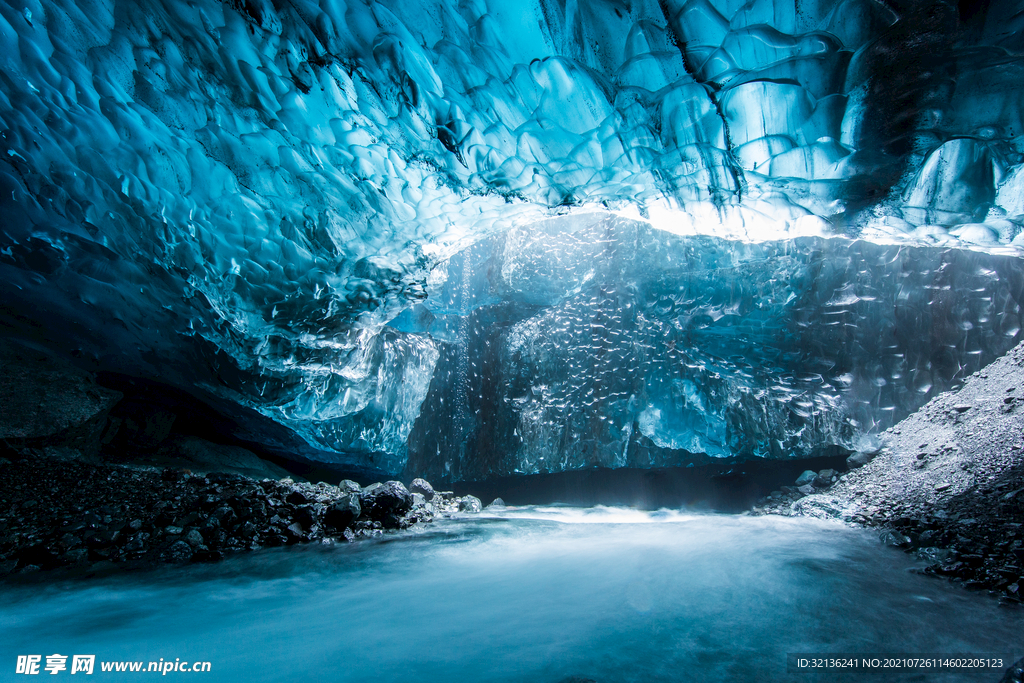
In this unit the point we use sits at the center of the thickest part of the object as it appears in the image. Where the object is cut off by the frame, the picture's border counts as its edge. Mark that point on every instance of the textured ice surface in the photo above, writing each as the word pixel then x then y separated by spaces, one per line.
pixel 240 195
pixel 601 341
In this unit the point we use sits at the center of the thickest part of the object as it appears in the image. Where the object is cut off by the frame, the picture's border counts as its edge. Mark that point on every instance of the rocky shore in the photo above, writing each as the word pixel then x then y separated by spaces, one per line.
pixel 92 476
pixel 946 484
pixel 61 513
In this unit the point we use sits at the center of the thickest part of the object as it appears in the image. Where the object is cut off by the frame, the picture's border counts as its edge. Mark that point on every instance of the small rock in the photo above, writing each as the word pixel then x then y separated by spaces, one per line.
pixel 824 478
pixel 194 538
pixel 860 458
pixel 895 538
pixel 77 557
pixel 497 503
pixel 179 551
pixel 349 486
pixel 942 487
pixel 137 543
pixel 933 555
pixel 962 407
pixel 806 478
pixel 1009 572
pixel 70 541
pixel 102 539
pixel 806 489
pixel 470 504
pixel 224 516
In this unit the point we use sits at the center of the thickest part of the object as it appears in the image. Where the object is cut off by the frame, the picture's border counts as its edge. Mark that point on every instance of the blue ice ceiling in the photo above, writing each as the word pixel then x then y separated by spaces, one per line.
pixel 604 233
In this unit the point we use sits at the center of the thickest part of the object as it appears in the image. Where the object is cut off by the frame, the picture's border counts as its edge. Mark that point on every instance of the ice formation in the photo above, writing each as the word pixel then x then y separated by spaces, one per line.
pixel 594 340
pixel 241 196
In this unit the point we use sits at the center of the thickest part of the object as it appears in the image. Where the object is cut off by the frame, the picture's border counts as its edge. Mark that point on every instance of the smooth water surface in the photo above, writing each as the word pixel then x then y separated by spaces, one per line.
pixel 526 595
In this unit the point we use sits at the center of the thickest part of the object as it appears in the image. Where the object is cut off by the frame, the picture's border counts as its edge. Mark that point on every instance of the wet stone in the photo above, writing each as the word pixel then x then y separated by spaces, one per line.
pixel 807 477
pixel 179 551
pixel 381 501
pixel 193 538
pixel 343 512
pixel 422 487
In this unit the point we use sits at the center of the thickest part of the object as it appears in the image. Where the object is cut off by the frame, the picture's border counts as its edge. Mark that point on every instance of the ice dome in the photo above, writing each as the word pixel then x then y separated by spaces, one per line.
pixel 468 239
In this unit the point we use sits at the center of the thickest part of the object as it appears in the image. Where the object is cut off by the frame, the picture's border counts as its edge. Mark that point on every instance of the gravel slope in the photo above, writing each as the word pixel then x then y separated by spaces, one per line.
pixel 948 483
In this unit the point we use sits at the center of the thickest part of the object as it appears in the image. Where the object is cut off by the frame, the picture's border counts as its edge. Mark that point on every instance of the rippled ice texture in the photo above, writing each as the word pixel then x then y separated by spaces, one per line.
pixel 237 196
pixel 531 595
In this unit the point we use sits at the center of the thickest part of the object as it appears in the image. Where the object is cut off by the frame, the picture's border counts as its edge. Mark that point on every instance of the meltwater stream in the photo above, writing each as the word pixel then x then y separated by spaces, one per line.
pixel 528 595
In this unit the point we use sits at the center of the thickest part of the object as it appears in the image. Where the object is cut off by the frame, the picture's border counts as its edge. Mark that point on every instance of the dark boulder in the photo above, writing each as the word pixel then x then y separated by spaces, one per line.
pixel 343 512
pixel 194 538
pixel 382 501
pixel 296 498
pixel 824 479
pixel 306 515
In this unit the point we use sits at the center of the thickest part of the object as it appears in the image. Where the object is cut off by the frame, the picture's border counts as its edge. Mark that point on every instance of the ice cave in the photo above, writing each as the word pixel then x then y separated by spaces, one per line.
pixel 550 341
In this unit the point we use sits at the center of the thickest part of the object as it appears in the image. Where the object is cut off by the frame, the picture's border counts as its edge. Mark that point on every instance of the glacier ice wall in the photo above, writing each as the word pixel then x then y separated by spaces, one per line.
pixel 595 340
pixel 239 196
